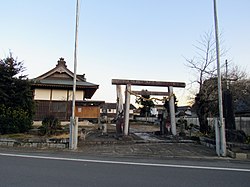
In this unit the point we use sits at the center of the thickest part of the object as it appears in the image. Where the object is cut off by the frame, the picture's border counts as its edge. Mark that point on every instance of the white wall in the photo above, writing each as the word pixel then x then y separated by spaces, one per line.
pixel 42 94
pixel 79 95
pixel 57 95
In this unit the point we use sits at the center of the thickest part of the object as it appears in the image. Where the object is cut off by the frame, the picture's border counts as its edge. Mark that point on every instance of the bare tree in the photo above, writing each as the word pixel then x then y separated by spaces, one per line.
pixel 204 66
pixel 203 63
pixel 205 101
pixel 234 73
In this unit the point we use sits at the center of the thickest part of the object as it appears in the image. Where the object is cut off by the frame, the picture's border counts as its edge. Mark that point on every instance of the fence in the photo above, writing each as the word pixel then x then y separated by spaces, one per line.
pixel 241 123
pixel 194 121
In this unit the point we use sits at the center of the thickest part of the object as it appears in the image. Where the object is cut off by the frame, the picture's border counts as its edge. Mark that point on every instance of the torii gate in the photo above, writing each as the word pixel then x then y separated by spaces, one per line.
pixel 128 83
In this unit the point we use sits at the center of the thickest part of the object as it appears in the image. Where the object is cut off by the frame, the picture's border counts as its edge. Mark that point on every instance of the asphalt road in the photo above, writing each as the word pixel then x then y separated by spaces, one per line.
pixel 71 170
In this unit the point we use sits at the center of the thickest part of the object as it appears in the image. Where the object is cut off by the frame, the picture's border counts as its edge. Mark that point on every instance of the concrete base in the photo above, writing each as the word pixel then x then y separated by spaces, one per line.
pixel 240 156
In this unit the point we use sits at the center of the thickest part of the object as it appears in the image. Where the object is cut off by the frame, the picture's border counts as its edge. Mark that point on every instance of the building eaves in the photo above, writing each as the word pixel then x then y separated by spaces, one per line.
pixel 63 82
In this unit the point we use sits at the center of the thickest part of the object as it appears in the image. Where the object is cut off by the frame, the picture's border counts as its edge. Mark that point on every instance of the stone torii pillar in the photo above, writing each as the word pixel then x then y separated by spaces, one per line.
pixel 119 110
pixel 127 107
pixel 172 110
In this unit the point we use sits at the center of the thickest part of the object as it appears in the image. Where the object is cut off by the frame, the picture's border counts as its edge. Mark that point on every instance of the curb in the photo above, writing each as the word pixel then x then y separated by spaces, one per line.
pixel 230 153
pixel 237 155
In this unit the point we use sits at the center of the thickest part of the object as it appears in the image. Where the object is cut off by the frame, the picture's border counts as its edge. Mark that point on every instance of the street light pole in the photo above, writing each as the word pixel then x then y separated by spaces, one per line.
pixel 221 121
pixel 73 122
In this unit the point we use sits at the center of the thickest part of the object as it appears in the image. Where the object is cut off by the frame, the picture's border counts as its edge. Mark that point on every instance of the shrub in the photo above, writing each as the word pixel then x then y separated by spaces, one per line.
pixel 236 136
pixel 14 120
pixel 50 125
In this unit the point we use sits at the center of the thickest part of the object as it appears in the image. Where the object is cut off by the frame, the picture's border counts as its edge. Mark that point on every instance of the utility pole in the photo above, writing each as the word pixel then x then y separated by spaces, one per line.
pixel 221 124
pixel 73 119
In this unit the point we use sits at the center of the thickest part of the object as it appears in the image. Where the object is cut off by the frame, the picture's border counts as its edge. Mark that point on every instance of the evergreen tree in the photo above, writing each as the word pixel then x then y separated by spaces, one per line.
pixel 16 97
pixel 146 104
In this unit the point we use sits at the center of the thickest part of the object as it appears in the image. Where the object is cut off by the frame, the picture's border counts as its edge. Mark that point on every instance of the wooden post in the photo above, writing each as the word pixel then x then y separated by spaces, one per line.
pixel 172 110
pixel 126 112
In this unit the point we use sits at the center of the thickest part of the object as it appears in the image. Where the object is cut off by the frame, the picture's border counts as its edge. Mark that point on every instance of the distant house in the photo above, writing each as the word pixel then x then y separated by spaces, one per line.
pixel 53 94
pixel 183 111
pixel 180 110
pixel 109 110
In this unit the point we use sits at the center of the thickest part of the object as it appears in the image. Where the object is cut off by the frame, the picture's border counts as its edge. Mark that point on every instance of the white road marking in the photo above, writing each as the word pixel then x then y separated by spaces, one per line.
pixel 125 163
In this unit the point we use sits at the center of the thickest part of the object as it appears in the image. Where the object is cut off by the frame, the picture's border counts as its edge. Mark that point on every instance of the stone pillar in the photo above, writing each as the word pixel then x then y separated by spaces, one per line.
pixel 119 106
pixel 172 110
pixel 119 110
pixel 126 112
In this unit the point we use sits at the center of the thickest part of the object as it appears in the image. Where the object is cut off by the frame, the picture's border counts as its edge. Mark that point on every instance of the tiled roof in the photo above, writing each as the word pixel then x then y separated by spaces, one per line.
pixel 62 77
pixel 63 82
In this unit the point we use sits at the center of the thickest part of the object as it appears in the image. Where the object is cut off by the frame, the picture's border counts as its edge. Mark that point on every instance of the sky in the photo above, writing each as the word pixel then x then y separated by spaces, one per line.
pixel 122 39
